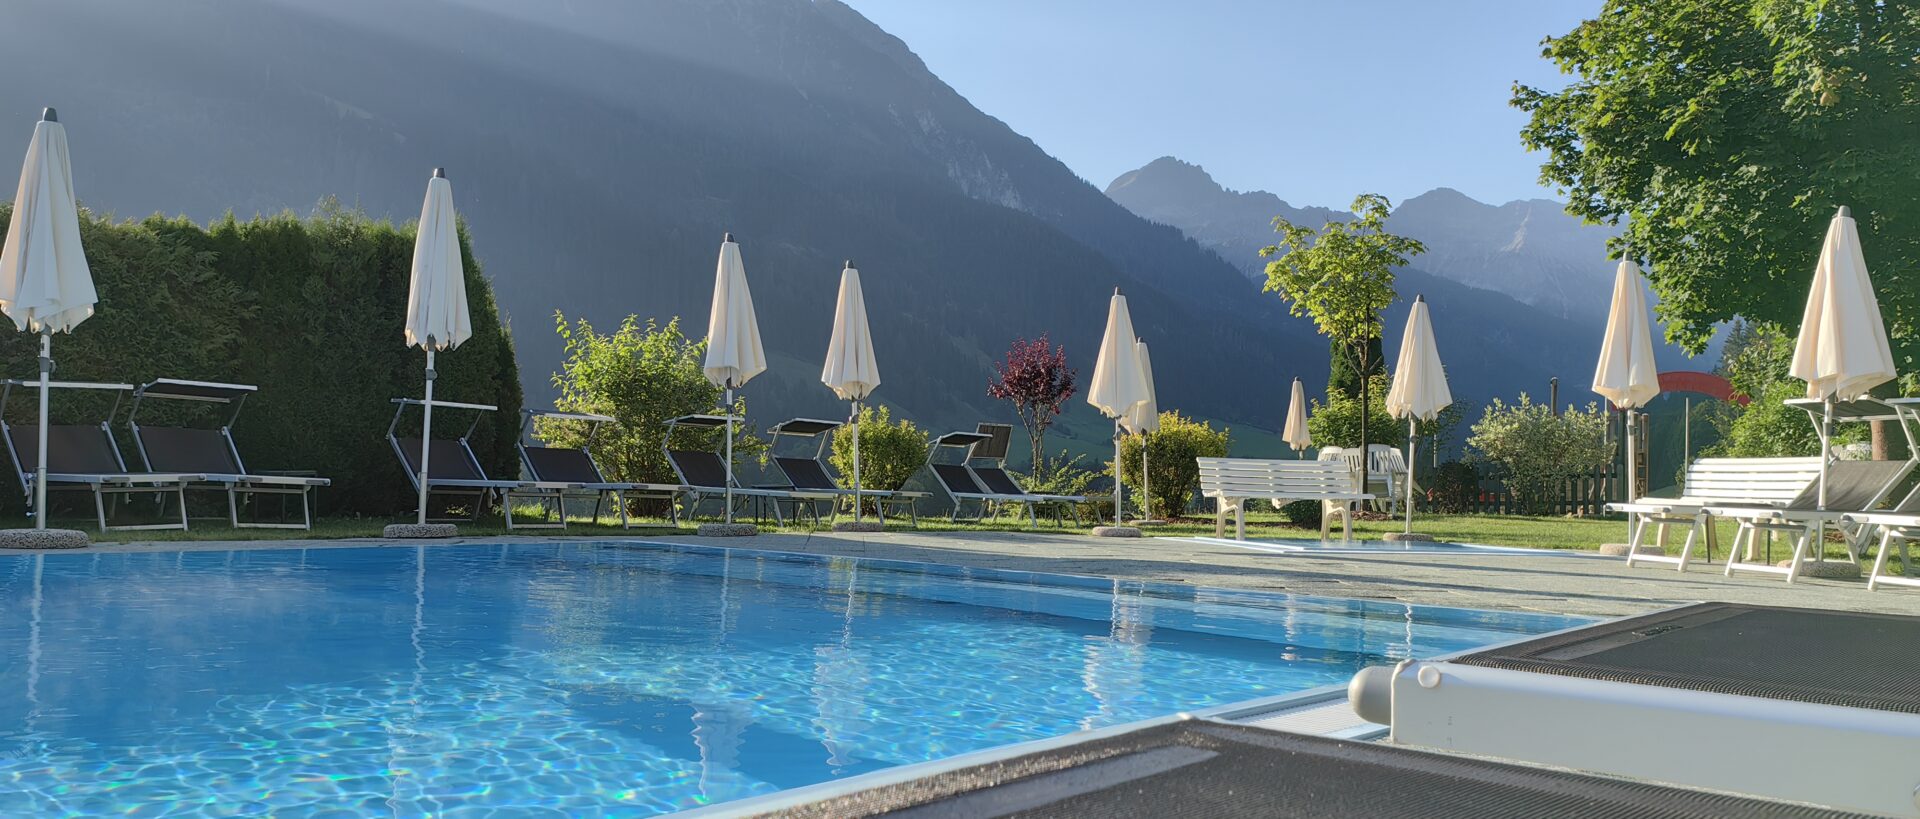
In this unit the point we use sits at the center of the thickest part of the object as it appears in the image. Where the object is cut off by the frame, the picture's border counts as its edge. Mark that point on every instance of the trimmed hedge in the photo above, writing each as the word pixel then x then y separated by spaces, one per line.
pixel 308 309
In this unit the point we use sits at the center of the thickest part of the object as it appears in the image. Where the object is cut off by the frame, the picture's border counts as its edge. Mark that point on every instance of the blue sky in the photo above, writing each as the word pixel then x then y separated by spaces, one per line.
pixel 1315 101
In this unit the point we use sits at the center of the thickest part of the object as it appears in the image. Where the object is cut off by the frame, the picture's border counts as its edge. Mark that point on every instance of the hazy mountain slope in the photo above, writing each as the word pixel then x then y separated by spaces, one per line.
pixel 1493 342
pixel 599 148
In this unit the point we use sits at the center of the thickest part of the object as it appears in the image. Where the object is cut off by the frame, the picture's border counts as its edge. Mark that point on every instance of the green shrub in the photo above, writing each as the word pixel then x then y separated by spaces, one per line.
pixel 1535 451
pixel 1306 513
pixel 1456 486
pixel 308 309
pixel 1337 421
pixel 1064 475
pixel 642 376
pixel 1173 450
pixel 890 451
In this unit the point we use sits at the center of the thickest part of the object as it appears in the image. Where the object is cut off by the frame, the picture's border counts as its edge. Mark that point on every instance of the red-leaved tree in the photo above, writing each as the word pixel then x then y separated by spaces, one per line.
pixel 1036 378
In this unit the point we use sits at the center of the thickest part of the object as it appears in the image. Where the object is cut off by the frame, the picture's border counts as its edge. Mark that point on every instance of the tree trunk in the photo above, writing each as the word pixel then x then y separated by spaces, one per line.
pixel 1039 452
pixel 1366 409
pixel 1880 440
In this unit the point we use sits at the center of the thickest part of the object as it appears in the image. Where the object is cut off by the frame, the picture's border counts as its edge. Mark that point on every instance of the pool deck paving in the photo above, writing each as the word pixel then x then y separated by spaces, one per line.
pixel 1555 582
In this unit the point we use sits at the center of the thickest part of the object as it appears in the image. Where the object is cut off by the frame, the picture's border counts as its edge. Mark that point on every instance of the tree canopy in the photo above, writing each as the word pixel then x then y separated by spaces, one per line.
pixel 1725 133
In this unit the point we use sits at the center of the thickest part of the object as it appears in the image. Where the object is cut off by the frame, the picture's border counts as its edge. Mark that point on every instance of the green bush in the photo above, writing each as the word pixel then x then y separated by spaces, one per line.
pixel 1535 451
pixel 1337 421
pixel 308 309
pixel 642 377
pixel 1306 513
pixel 1065 475
pixel 890 451
pixel 1173 450
pixel 1456 486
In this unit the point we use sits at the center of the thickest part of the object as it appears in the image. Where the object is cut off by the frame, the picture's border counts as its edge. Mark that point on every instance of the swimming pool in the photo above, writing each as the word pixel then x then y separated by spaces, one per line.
pixel 610 678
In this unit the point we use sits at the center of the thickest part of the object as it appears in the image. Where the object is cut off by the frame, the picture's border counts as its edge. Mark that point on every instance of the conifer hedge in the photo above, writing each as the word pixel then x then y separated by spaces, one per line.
pixel 309 309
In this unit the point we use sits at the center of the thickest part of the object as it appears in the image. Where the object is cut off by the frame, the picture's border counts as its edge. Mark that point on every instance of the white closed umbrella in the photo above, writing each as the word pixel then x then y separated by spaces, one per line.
pixel 1295 432
pixel 45 285
pixel 1419 390
pixel 1144 418
pixel 436 300
pixel 1842 351
pixel 851 371
pixel 1627 375
pixel 1118 383
pixel 734 355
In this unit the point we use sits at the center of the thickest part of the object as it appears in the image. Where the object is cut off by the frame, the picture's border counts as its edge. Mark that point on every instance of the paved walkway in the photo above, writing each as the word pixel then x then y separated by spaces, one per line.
pixel 1557 582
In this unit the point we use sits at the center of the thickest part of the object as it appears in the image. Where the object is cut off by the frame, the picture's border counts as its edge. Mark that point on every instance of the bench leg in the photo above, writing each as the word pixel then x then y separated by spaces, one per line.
pixel 1239 521
pixel 1686 549
pixel 1635 533
pixel 1220 517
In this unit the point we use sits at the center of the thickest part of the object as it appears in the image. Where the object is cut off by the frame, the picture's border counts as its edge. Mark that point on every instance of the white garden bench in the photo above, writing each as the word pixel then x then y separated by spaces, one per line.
pixel 1762 483
pixel 1231 482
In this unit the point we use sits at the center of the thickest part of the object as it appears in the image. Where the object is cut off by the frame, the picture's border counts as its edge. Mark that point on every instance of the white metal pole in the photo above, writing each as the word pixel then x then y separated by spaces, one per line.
pixel 729 412
pixel 856 462
pixel 1826 447
pixel 1410 463
pixel 1119 481
pixel 1633 472
pixel 426 435
pixel 40 470
pixel 1146 497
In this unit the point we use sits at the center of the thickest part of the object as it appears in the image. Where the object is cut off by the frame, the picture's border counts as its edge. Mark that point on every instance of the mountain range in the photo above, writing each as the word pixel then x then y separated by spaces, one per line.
pixel 600 148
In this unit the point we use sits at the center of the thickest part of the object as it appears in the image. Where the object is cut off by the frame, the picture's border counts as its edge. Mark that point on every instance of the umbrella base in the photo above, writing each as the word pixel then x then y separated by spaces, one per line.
pixel 1825 568
pixel 728 530
pixel 1407 537
pixel 859 526
pixel 1621 549
pixel 1116 531
pixel 43 539
pixel 413 531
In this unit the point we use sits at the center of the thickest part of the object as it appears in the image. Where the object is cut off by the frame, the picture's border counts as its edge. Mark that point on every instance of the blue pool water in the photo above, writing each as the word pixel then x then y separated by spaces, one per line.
pixel 605 679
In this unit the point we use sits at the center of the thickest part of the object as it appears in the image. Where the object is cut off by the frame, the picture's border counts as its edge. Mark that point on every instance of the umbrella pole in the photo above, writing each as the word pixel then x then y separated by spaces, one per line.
pixel 1826 449
pixel 1119 481
pixel 1146 499
pixel 426 437
pixel 1410 463
pixel 729 412
pixel 40 469
pixel 855 420
pixel 1633 473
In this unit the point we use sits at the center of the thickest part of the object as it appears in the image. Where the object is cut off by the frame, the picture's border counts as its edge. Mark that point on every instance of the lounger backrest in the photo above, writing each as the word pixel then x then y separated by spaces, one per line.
pixel 447 460
pixel 699 468
pixel 1242 478
pixel 957 479
pixel 1751 481
pixel 1853 486
pixel 805 473
pixel 998 481
pixel 78 449
pixel 560 465
pixel 999 440
pixel 183 449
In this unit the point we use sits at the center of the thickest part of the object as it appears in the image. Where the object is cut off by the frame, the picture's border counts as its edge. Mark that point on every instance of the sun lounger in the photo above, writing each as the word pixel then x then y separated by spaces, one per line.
pixel 1852 487
pixel 576 470
pixel 988 461
pixel 958 482
pixel 1230 482
pixel 85 457
pixel 212 453
pixel 455 471
pixel 705 473
pixel 1765 483
pixel 809 474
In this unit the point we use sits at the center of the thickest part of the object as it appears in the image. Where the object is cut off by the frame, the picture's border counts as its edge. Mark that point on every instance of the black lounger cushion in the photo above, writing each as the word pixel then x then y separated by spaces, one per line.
pixel 178 449
pixel 449 460
pixel 562 465
pixel 76 449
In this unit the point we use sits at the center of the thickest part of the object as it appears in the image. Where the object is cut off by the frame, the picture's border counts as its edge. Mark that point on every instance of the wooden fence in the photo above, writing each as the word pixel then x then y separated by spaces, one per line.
pixel 1584 496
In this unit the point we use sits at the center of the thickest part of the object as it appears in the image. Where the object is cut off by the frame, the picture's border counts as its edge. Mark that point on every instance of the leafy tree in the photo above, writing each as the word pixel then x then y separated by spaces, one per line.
pixel 642 376
pixel 1342 376
pixel 1724 133
pixel 1170 455
pixel 1063 475
pixel 1535 451
pixel 890 451
pixel 1338 421
pixel 1342 276
pixel 1036 378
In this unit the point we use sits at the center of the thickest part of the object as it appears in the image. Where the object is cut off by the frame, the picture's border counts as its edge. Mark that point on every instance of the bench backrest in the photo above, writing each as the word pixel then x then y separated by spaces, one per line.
pixel 1761 481
pixel 1296 480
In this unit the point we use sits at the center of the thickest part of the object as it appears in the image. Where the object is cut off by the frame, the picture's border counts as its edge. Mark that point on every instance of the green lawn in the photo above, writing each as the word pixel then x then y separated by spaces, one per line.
pixel 1492 530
